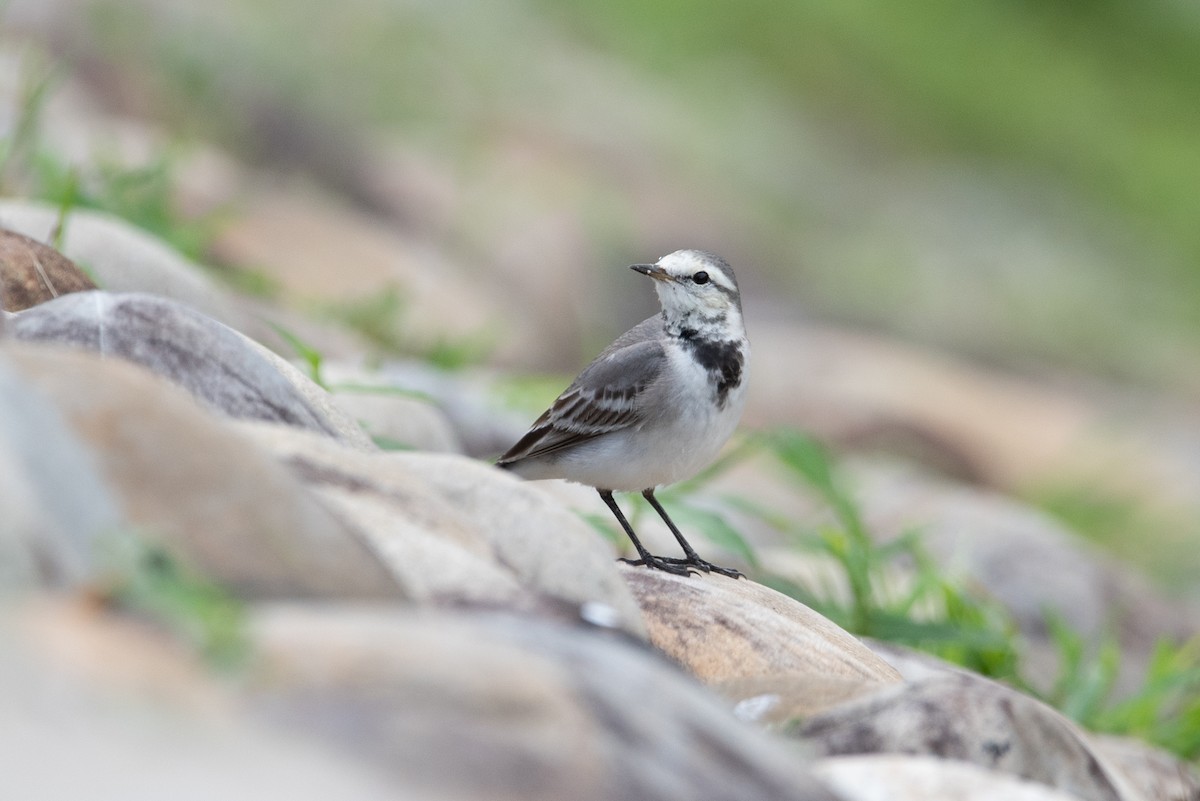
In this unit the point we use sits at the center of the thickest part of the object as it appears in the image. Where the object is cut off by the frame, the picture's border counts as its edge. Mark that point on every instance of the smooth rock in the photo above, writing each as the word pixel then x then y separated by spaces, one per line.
pixel 404 422
pixel 1156 773
pixel 187 481
pixel 972 719
pixel 500 707
pixel 54 506
pixel 873 394
pixel 32 273
pixel 1159 774
pixel 468 399
pixel 721 629
pixel 1018 555
pixel 431 548
pixel 1025 559
pixel 892 777
pixel 122 257
pixel 294 235
pixel 547 547
pixel 784 697
pixel 454 530
pixel 332 414
pixel 142 720
pixel 1020 434
pixel 216 364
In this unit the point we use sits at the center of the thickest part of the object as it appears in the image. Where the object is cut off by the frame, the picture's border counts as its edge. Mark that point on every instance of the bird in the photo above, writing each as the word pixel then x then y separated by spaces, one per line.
pixel 656 406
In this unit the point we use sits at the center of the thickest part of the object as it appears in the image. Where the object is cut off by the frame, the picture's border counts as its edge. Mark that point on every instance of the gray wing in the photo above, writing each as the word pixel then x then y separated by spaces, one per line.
pixel 604 398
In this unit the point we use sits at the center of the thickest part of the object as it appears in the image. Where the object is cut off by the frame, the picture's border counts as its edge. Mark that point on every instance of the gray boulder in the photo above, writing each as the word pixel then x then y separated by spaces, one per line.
pixel 141 720
pixel 506 708
pixel 402 421
pixel 454 530
pixel 54 506
pixel 215 363
pixel 183 479
pixel 965 717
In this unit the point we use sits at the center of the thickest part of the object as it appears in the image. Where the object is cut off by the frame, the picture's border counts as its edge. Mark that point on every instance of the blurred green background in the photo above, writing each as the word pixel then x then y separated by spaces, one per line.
pixel 1017 181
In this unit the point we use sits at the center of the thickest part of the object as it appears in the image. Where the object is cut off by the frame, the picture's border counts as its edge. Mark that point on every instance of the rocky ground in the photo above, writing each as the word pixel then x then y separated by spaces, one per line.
pixel 417 623
pixel 217 583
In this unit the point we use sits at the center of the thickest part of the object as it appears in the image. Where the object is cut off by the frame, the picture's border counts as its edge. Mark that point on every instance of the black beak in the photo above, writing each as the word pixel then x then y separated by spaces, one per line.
pixel 652 270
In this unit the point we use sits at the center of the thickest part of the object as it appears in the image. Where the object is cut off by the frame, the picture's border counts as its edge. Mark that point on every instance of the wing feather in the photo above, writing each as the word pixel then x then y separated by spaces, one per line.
pixel 604 398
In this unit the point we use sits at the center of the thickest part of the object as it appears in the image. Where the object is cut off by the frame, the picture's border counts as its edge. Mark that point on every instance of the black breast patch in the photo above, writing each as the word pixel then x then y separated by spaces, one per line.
pixel 723 360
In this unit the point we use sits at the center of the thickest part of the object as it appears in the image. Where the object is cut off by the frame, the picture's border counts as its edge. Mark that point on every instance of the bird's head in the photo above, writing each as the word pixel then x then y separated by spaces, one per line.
pixel 697 290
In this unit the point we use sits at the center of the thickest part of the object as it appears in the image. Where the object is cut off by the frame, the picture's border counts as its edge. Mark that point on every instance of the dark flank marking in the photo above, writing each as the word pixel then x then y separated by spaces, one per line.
pixel 723 361
pixel 996 749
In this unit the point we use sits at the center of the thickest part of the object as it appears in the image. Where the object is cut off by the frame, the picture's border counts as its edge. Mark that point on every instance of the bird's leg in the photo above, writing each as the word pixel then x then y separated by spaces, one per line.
pixel 647 559
pixel 692 558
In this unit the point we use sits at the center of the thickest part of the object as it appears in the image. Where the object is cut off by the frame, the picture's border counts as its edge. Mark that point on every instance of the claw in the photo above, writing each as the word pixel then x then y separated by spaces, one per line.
pixel 728 572
pixel 708 567
pixel 672 565
pixel 658 563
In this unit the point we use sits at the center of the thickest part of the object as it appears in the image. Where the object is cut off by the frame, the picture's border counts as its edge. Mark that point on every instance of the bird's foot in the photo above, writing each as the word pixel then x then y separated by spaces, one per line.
pixel 696 563
pixel 685 567
pixel 674 566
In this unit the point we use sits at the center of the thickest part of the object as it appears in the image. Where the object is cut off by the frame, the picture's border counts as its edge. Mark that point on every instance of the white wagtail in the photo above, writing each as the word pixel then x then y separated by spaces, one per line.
pixel 657 405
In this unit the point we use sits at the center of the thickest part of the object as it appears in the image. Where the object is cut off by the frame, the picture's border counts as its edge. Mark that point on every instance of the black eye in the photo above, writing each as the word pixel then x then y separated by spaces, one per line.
pixel 700 277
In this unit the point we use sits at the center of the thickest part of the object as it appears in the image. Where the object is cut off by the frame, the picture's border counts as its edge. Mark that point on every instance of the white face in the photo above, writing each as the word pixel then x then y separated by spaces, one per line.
pixel 697 281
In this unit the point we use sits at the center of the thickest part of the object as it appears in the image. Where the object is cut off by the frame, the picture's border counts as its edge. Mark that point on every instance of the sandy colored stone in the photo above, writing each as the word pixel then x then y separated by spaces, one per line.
pixel 184 479
pixel 32 272
pixel 721 629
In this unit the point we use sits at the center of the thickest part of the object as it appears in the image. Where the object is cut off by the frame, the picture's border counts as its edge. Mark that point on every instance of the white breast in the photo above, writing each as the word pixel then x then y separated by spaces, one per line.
pixel 683 433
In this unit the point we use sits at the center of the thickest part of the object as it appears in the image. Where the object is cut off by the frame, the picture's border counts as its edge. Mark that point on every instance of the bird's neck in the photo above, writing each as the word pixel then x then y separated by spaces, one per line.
pixel 718 345
pixel 721 325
